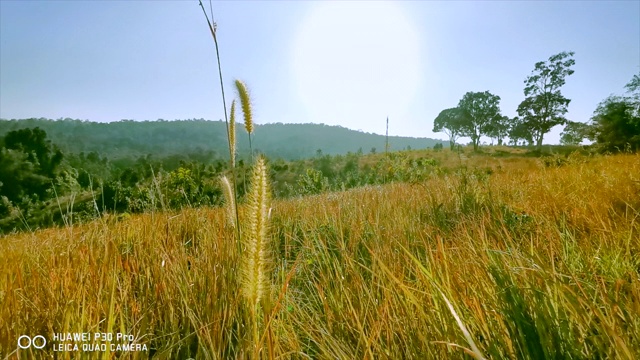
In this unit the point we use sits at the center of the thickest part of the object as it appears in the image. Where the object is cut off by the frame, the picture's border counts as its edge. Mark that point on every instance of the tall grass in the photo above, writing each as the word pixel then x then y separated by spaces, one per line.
pixel 531 262
pixel 257 253
pixel 254 247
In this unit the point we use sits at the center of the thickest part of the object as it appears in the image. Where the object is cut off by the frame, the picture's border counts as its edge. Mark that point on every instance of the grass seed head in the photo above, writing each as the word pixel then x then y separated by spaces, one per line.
pixel 257 254
pixel 245 102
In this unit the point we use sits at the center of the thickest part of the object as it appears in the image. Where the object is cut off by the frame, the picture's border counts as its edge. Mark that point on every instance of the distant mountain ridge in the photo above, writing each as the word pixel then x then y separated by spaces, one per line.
pixel 128 138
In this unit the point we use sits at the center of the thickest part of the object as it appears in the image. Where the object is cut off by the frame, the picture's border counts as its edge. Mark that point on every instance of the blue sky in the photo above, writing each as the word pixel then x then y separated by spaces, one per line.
pixel 349 64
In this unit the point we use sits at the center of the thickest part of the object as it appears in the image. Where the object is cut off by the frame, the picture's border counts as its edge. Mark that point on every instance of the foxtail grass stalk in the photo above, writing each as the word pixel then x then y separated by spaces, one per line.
pixel 232 134
pixel 233 195
pixel 230 203
pixel 212 28
pixel 257 257
pixel 245 102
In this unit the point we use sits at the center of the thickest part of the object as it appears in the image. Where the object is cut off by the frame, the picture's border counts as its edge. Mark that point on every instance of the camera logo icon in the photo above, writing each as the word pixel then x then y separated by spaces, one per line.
pixel 26 342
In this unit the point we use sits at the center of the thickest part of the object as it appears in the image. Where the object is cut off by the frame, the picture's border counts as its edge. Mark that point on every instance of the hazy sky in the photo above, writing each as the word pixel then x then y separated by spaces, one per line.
pixel 349 64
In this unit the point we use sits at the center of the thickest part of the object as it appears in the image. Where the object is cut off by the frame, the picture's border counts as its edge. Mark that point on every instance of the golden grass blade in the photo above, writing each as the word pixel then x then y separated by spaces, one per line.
pixel 465 332
pixel 229 200
pixel 476 352
pixel 232 134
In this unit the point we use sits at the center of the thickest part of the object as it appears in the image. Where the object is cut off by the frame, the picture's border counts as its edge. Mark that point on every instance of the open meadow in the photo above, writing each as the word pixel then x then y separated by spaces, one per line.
pixel 501 258
pixel 402 180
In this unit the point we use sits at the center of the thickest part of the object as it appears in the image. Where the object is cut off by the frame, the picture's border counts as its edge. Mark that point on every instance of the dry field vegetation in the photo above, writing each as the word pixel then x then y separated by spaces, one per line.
pixel 522 261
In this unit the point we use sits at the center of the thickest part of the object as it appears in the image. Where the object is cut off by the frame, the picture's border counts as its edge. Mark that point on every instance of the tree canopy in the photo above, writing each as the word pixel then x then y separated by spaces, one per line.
pixel 544 105
pixel 574 133
pixel 451 122
pixel 616 124
pixel 480 110
pixel 28 163
pixel 498 128
pixel 519 131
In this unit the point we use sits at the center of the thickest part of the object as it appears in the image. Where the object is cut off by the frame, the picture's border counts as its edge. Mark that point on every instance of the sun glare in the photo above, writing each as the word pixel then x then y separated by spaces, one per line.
pixel 354 63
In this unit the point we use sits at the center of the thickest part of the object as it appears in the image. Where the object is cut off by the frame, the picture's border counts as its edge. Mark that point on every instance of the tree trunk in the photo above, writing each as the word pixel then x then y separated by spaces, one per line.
pixel 539 142
pixel 452 144
pixel 499 142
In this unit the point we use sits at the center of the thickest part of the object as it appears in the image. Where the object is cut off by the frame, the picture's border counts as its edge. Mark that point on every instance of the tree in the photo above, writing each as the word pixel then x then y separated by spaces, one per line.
pixel 519 131
pixel 544 105
pixel 450 122
pixel 39 150
pixel 18 176
pixel 28 163
pixel 633 87
pixel 479 109
pixel 574 133
pixel 498 128
pixel 616 124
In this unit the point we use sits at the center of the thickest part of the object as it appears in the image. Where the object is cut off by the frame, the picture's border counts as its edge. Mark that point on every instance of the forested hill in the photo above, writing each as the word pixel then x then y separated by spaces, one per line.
pixel 162 138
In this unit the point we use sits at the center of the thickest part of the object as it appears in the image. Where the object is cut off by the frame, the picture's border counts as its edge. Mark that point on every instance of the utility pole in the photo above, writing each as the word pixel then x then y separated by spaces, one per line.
pixel 386 145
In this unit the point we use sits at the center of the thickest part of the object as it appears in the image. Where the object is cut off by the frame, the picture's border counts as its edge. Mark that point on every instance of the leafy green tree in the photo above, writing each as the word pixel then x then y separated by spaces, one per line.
pixel 575 132
pixel 19 176
pixel 498 128
pixel 28 164
pixel 84 179
pixel 325 165
pixel 544 105
pixel 451 122
pixel 519 131
pixel 130 177
pixel 633 87
pixel 479 110
pixel 616 124
pixel 39 150
pixel 312 182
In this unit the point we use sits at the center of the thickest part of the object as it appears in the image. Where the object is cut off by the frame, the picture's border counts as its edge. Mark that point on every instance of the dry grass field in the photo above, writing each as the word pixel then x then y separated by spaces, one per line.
pixel 493 258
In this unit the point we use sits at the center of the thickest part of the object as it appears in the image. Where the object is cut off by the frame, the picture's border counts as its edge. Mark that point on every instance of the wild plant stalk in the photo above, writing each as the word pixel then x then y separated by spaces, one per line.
pixel 229 199
pixel 256 261
pixel 245 102
pixel 232 191
pixel 212 28
pixel 232 135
